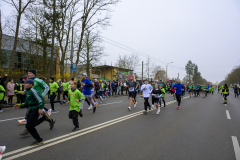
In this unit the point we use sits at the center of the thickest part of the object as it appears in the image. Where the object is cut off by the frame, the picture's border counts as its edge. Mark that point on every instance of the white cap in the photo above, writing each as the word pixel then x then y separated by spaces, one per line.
pixel 84 74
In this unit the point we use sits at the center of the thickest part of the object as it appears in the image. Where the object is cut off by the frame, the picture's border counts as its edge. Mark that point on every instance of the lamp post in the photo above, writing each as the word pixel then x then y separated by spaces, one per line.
pixel 166 69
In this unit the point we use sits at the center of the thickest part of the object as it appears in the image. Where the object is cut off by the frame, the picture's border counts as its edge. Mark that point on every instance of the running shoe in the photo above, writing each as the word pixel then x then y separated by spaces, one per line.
pixel 152 106
pixel 158 112
pixel 49 112
pixel 90 107
pixel 52 124
pixel 75 129
pixel 23 121
pixel 178 107
pixel 53 110
pixel 25 133
pixel 1 110
pixel 37 142
pixel 94 109
pixel 173 98
pixel 96 104
pixel 144 112
pixel 2 149
pixel 60 101
pixel 135 105
pixel 129 108
pixel 80 113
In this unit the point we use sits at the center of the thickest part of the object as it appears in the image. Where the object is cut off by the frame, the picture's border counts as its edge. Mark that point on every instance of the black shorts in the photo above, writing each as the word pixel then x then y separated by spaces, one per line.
pixel 155 100
pixel 131 94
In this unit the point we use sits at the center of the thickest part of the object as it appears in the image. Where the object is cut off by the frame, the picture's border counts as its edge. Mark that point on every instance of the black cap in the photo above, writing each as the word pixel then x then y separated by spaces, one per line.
pixel 25 76
pixel 32 71
pixel 30 81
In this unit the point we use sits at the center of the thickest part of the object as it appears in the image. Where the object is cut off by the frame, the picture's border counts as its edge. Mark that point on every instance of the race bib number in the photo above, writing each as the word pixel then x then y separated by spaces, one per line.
pixel 145 89
pixel 131 89
pixel 92 89
pixel 157 95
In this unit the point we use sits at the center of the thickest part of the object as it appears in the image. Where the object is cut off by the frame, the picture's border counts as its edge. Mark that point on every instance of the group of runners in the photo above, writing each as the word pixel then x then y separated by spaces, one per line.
pixel 35 90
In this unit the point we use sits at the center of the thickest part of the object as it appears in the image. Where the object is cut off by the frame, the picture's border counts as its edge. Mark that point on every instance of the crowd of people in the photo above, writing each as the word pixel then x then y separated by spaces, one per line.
pixel 30 92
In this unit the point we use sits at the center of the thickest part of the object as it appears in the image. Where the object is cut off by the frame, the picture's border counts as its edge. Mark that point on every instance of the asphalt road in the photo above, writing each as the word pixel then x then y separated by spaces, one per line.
pixel 203 129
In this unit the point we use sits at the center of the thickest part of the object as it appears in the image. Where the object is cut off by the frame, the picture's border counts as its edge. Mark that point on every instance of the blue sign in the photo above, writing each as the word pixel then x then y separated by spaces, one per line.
pixel 74 67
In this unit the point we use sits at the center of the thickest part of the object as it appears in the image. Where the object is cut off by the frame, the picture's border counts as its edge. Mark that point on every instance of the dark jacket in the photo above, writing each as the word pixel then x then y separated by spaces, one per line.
pixel 2 81
pixel 78 85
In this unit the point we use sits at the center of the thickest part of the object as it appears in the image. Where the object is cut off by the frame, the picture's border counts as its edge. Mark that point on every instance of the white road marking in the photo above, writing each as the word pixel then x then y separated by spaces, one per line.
pixel 11 119
pixel 109 103
pixel 228 115
pixel 66 137
pixel 236 147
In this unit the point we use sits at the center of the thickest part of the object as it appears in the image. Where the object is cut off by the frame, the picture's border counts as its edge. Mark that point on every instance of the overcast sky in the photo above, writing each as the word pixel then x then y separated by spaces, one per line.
pixel 207 32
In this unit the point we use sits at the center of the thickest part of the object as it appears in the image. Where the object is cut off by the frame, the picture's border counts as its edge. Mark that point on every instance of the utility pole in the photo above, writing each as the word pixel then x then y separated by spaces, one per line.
pixel 178 77
pixel 71 57
pixel 142 72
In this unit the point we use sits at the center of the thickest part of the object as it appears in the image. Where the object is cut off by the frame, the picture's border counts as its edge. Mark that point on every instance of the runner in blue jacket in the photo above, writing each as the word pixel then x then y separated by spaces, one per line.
pixel 178 91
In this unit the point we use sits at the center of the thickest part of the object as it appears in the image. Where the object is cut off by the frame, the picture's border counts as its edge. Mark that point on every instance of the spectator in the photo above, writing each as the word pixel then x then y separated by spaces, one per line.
pixel 119 87
pixel 25 77
pixel 60 89
pixel 10 91
pixel 2 83
pixel 122 88
pixel 113 87
pixel 126 87
pixel 79 85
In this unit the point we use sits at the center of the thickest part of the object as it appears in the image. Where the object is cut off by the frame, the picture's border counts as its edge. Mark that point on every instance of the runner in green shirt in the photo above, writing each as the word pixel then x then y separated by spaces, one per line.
pixel 66 87
pixel 163 95
pixel 204 89
pixel 53 92
pixel 75 99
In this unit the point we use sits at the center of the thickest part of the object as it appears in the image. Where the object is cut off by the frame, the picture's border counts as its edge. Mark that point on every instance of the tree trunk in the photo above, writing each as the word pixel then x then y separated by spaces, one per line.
pixel 53 37
pixel 15 38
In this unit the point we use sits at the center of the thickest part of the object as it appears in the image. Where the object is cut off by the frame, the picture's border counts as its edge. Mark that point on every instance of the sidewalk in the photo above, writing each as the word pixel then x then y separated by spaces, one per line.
pixel 47 101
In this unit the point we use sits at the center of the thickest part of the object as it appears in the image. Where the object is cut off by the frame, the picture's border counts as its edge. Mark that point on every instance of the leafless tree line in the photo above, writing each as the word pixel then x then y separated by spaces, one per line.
pixel 47 24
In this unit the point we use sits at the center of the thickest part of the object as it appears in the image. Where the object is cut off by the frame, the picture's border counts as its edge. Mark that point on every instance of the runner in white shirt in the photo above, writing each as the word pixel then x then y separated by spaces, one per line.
pixel 147 90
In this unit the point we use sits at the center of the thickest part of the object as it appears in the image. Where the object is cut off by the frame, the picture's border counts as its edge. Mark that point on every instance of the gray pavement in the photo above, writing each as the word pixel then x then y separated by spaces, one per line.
pixel 199 130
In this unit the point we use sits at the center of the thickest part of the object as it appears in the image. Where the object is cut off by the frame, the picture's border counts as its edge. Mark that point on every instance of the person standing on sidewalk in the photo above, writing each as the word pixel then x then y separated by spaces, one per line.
pixel 2 83
pixel 53 93
pixel 2 91
pixel 60 89
pixel 18 89
pixel 10 91
pixel 35 103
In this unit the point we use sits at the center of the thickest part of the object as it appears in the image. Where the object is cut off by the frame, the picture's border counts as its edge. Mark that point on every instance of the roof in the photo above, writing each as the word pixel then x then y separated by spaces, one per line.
pixel 107 66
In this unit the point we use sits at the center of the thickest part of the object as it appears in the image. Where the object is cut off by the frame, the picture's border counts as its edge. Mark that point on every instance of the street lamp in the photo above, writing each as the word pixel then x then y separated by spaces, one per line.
pixel 166 69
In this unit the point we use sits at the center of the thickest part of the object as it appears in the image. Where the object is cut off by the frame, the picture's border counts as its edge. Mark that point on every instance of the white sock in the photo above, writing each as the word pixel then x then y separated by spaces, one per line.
pixel 158 109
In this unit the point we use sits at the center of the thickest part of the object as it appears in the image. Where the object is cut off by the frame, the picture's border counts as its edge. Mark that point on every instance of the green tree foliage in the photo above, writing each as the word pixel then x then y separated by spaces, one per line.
pixel 189 70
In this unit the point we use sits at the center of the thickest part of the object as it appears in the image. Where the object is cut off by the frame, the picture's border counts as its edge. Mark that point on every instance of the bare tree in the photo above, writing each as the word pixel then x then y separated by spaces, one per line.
pixel 92 51
pixel 159 73
pixel 64 26
pixel 92 16
pixel 128 61
pixel 20 8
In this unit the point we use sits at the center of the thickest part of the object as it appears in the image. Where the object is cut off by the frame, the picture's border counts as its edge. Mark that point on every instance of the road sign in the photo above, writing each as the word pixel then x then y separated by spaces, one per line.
pixel 74 67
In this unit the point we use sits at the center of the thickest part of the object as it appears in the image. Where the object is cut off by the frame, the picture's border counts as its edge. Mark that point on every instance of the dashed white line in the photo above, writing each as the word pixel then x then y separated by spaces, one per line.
pixel 11 119
pixel 228 115
pixel 236 147
pixel 66 137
